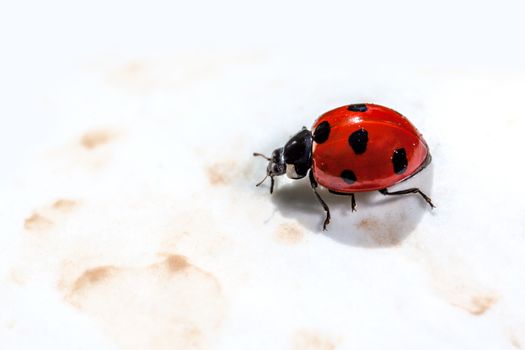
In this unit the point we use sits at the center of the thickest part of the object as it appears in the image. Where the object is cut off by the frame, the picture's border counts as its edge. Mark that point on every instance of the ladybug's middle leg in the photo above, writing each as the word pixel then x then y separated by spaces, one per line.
pixel 407 191
pixel 314 185
pixel 354 205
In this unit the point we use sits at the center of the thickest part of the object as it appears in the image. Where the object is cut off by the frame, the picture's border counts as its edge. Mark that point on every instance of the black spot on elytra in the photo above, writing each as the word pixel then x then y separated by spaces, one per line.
pixel 358 141
pixel 361 107
pixel 348 176
pixel 322 132
pixel 399 160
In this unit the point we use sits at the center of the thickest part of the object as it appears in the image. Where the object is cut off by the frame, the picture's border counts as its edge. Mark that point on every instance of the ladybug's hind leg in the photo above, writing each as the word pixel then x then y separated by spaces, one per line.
pixel 354 205
pixel 407 191
pixel 314 185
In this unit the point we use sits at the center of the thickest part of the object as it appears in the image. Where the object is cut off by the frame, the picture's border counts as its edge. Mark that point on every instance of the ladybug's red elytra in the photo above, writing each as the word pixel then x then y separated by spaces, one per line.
pixel 354 148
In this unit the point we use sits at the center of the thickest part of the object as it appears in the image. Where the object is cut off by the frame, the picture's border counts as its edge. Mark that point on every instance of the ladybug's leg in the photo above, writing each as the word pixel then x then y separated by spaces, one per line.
pixel 272 183
pixel 314 185
pixel 407 191
pixel 354 205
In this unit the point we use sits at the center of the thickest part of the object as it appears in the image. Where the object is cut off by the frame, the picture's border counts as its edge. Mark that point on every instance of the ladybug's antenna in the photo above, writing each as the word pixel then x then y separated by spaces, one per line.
pixel 271 185
pixel 261 182
pixel 255 154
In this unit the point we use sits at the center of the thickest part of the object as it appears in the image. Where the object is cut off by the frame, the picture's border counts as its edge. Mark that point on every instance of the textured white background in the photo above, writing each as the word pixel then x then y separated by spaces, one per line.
pixel 128 215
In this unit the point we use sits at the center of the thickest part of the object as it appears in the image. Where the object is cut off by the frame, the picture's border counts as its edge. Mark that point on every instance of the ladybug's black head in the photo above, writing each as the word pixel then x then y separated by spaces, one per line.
pixel 294 159
pixel 276 166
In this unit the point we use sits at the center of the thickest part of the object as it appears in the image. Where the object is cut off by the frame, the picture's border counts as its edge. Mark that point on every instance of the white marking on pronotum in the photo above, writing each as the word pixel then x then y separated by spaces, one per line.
pixel 291 173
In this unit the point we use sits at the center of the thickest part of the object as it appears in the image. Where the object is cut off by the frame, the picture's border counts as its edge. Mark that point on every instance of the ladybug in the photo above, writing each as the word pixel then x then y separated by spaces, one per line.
pixel 354 148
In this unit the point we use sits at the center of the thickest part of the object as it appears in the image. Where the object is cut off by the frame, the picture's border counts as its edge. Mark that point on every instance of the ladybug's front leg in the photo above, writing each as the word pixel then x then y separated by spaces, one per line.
pixel 407 191
pixel 314 185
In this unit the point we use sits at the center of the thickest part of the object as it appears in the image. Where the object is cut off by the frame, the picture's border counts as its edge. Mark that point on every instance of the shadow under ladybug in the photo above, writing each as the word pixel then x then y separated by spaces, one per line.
pixel 379 222
pixel 351 151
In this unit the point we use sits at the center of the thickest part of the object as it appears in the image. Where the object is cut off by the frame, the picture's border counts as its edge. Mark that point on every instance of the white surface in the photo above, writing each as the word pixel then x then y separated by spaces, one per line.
pixel 126 143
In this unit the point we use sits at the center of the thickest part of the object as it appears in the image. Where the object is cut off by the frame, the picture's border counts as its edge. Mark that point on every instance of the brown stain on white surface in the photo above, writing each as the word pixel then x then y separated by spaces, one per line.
pixel 92 276
pixel 172 304
pixel 96 138
pixel 475 302
pixel 289 233
pixel 145 76
pixel 37 222
pixel 16 277
pixel 380 231
pixel 516 334
pixel 465 292
pixel 221 173
pixel 313 340
pixel 64 205
pixel 515 341
pixel 479 304
pixel 197 233
pixel 454 281
pixel 177 263
pixel 134 76
pixel 46 217
pixel 83 155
